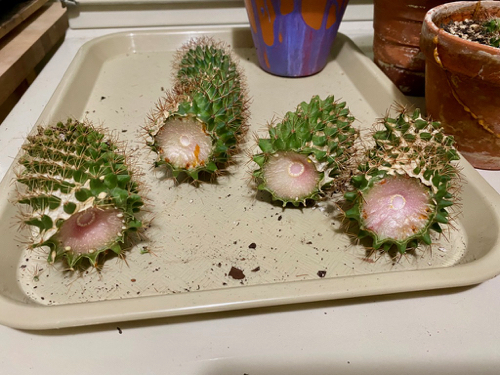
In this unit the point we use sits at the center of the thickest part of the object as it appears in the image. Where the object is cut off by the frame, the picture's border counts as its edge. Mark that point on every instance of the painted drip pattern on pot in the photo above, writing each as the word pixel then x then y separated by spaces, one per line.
pixel 293 37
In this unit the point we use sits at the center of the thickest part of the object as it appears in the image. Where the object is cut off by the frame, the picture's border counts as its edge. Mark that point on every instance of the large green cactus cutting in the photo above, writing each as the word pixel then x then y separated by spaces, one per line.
pixel 199 125
pixel 306 152
pixel 406 183
pixel 78 194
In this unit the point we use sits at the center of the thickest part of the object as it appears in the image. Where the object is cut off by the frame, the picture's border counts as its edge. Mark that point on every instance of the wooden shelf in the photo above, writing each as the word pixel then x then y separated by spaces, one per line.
pixel 18 15
pixel 24 47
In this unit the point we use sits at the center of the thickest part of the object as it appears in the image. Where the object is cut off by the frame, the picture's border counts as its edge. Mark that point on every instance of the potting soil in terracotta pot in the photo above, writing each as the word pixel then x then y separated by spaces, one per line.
pixel 463 81
pixel 396 50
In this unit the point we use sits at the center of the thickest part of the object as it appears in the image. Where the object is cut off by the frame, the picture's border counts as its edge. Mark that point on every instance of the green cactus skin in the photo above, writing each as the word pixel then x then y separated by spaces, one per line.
pixel 78 193
pixel 405 184
pixel 198 126
pixel 307 152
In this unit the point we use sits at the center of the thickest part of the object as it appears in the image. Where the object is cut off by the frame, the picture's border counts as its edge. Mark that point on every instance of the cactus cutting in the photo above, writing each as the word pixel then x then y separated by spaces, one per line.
pixel 406 183
pixel 307 153
pixel 80 197
pixel 198 126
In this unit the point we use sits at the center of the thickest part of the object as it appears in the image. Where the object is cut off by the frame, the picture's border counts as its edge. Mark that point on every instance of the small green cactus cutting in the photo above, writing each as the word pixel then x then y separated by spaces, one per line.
pixel 406 183
pixel 77 194
pixel 200 123
pixel 307 152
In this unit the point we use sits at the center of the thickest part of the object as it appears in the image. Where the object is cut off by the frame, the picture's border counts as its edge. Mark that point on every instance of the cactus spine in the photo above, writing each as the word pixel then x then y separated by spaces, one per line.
pixel 406 183
pixel 198 126
pixel 79 195
pixel 307 152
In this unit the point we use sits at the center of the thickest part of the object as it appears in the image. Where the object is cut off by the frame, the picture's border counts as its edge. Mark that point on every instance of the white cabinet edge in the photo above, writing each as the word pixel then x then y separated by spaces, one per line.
pixel 152 13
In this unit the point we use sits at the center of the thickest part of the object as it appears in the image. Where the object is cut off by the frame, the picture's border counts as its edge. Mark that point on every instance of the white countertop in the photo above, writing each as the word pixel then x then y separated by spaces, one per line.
pixel 455 331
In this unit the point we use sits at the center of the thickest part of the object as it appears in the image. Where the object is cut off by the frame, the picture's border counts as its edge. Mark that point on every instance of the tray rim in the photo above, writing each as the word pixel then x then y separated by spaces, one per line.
pixel 41 317
pixel 36 316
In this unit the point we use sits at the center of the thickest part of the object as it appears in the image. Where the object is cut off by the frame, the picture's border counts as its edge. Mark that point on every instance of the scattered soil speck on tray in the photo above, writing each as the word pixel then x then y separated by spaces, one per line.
pixel 236 273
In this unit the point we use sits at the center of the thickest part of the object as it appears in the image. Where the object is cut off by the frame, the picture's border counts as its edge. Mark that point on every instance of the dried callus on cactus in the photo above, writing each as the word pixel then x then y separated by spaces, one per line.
pixel 200 123
pixel 307 152
pixel 78 194
pixel 406 184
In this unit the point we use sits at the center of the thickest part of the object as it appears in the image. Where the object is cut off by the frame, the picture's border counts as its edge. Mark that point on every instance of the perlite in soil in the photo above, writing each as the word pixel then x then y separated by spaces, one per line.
pixel 199 125
pixel 406 185
pixel 77 194
pixel 307 153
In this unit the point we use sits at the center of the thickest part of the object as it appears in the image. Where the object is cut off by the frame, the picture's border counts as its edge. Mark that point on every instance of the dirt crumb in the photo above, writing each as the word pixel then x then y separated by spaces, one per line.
pixel 236 273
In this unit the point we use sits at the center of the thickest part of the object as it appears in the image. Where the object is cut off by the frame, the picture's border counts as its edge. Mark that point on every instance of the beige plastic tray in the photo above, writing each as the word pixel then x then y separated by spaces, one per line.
pixel 199 234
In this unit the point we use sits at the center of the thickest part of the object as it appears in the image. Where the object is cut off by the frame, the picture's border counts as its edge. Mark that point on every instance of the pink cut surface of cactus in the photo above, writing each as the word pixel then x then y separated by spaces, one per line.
pixel 184 143
pixel 90 230
pixel 291 175
pixel 397 208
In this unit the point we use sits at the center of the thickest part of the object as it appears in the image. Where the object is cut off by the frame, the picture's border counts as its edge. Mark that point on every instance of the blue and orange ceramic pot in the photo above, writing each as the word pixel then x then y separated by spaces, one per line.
pixel 293 38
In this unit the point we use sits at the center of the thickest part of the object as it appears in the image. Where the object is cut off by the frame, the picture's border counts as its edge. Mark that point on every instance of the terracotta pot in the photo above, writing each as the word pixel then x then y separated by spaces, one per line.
pixel 463 82
pixel 397 26
pixel 293 38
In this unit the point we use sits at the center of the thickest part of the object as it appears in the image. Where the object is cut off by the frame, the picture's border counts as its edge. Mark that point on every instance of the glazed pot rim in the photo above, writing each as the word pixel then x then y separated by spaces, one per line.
pixel 448 9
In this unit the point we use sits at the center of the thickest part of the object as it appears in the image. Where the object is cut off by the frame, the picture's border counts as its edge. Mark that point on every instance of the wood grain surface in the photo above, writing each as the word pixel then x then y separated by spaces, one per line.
pixel 25 46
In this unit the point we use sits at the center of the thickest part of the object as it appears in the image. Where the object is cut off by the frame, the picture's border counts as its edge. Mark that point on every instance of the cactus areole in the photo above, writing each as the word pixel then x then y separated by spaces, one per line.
pixel 405 184
pixel 80 196
pixel 198 126
pixel 306 152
